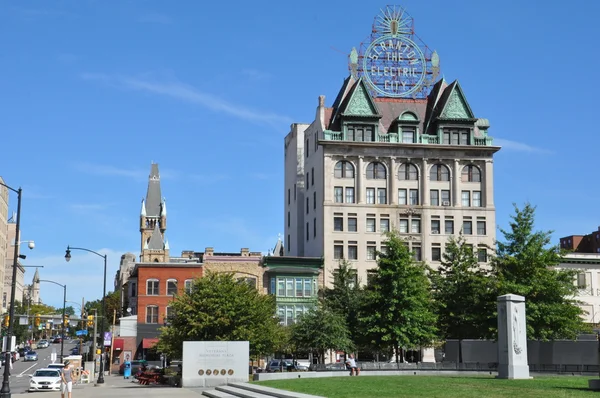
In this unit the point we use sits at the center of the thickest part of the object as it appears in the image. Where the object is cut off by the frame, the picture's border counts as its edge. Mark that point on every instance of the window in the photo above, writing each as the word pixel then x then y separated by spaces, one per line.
pixel 349 194
pixel 439 172
pixel 371 277
pixel 281 287
pixel 295 191
pixel 383 249
pixel 446 197
pixel 343 169
pixel 482 255
pixel 384 225
pixel 481 228
pixel 476 198
pixel 358 132
pixel 338 194
pixel 315 227
pixel 408 136
pixel 353 252
pixel 466 199
pixel 288 219
pixel 471 173
pixel 273 287
pixel 413 197
pixel 338 223
pixel 449 226
pixel 289 288
pixel 371 196
pixel 403 226
pixel 436 254
pixel 408 171
pixel 416 249
pixel 306 181
pixel 402 196
pixel 288 196
pixel 289 246
pixel 152 314
pixel 435 226
pixel 308 287
pixel 352 224
pixel 371 251
pixel 306 148
pixel 312 177
pixel 307 205
pixel 381 196
pixel 171 287
pixel 581 280
pixel 371 225
pixel 299 287
pixel 467 227
pixel 133 290
pixel 456 137
pixel 188 285
pixel 434 197
pixel 152 287
pixel 415 226
pixel 376 171
pixel 338 252
pixel 314 200
pixel 307 235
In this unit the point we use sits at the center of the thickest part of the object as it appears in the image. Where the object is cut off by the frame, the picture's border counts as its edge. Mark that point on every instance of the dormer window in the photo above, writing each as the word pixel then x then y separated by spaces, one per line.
pixel 456 137
pixel 408 128
pixel 408 135
pixel 361 132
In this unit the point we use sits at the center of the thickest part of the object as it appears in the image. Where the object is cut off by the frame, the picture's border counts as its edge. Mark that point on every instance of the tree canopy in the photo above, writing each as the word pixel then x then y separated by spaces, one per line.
pixel 221 308
pixel 524 265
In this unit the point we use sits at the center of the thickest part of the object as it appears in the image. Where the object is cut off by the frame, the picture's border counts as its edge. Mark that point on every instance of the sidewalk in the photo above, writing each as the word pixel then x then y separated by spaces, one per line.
pixel 118 387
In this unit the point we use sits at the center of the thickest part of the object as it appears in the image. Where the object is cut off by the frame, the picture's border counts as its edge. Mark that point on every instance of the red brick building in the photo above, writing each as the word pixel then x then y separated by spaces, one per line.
pixel 589 243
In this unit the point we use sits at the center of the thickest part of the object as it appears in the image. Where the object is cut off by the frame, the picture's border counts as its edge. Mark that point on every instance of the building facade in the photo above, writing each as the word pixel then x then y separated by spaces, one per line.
pixel 589 243
pixel 20 287
pixel 587 281
pixel 380 158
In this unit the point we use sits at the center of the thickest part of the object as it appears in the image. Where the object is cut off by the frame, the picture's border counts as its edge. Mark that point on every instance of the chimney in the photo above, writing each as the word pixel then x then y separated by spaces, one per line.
pixel 245 252
pixel 209 251
pixel 321 112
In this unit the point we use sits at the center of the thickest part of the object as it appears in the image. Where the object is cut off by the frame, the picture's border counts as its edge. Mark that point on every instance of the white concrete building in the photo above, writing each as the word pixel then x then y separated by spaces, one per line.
pixel 587 281
pixel 366 165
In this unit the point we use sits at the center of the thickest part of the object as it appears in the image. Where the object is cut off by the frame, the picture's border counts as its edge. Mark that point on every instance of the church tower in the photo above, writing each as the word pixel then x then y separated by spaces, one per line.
pixel 153 222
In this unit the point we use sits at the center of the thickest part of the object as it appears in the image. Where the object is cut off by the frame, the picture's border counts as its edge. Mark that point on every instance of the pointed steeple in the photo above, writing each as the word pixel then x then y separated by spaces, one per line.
pixel 36 278
pixel 143 211
pixel 164 208
pixel 156 240
pixel 153 196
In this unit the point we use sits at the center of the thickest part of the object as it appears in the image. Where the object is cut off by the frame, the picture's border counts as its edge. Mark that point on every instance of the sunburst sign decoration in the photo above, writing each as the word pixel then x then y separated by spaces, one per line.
pixel 395 63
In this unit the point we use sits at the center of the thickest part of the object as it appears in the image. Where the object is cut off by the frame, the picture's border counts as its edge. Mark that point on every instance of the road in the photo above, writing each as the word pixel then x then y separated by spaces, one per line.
pixel 19 379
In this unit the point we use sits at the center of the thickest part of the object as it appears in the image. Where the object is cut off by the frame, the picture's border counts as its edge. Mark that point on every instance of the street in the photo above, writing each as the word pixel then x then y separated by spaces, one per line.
pixel 19 379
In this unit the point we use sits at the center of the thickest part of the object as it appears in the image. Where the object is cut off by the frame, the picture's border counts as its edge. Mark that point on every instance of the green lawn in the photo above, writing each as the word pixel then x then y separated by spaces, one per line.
pixel 436 386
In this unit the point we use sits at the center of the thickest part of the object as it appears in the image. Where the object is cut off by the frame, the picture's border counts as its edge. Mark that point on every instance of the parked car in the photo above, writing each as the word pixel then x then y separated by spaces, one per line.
pixel 24 350
pixel 45 380
pixel 3 358
pixel 56 366
pixel 75 350
pixel 43 344
pixel 289 365
pixel 30 356
pixel 57 340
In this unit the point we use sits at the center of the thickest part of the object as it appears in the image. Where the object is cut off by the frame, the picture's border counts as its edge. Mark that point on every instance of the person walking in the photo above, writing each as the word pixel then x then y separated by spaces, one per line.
pixel 66 376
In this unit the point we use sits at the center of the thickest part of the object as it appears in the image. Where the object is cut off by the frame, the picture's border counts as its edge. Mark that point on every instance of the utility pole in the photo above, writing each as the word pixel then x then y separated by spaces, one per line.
pixel 112 339
pixel 95 340
pixel 83 322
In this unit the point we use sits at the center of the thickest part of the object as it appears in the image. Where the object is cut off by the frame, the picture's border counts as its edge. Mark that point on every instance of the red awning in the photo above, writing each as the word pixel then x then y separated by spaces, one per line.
pixel 118 344
pixel 149 343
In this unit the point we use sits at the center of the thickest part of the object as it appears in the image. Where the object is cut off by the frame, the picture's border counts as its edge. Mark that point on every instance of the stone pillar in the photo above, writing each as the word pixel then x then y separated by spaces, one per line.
pixel 512 338
pixel 456 196
pixel 360 194
pixel 392 194
pixel 488 174
pixel 424 179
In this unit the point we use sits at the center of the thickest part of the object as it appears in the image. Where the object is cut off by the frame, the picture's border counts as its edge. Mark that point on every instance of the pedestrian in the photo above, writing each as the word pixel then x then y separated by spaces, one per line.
pixel 66 376
pixel 352 366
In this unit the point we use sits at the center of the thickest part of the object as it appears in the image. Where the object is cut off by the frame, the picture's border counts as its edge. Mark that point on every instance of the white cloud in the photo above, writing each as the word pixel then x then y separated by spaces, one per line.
pixel 187 93
pixel 519 146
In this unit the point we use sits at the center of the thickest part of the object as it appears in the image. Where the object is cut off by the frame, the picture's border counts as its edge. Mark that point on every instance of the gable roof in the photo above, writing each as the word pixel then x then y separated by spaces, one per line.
pixel 359 102
pixel 454 104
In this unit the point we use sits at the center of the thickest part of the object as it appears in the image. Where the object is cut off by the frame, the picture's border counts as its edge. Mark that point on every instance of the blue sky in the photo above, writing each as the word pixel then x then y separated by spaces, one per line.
pixel 94 91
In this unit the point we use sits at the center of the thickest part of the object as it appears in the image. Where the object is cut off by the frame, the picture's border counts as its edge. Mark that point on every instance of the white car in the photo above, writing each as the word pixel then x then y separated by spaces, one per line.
pixel 43 344
pixel 45 380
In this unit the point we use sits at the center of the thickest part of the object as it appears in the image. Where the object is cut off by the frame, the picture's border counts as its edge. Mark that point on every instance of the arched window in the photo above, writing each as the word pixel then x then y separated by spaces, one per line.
pixel 152 314
pixel 171 287
pixel 343 169
pixel 439 172
pixel 408 171
pixel 471 173
pixel 189 283
pixel 376 171
pixel 152 287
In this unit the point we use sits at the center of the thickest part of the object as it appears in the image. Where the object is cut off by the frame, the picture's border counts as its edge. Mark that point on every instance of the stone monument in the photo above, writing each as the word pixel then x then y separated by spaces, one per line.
pixel 214 363
pixel 512 338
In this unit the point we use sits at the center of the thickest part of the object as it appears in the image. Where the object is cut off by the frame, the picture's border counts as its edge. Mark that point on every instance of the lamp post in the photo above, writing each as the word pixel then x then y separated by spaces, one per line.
pixel 5 390
pixel 62 328
pixel 68 257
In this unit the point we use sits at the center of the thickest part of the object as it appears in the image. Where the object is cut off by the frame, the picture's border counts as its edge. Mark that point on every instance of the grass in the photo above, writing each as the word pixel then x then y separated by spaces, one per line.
pixel 436 386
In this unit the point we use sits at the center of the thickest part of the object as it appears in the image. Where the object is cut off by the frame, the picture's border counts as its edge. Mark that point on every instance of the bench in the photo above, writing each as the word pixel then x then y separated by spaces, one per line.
pixel 147 378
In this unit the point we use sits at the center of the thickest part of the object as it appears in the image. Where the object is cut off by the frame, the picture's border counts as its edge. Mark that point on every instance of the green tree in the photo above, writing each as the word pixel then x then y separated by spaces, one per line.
pixel 220 308
pixel 345 297
pixel 399 308
pixel 524 265
pixel 319 330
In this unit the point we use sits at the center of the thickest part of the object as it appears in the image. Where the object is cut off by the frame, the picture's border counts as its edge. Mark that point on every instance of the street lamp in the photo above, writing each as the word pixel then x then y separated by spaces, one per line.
pixel 62 328
pixel 68 257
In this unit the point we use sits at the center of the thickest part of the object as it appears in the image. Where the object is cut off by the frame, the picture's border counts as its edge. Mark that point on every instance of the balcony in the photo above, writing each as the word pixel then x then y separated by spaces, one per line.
pixel 392 137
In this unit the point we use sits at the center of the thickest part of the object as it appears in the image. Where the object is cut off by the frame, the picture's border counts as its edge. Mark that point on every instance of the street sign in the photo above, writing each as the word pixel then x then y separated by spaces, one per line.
pixel 107 339
pixel 81 333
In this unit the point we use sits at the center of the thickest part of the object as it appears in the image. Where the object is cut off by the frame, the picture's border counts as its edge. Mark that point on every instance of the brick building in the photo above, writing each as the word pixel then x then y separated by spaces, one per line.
pixel 589 243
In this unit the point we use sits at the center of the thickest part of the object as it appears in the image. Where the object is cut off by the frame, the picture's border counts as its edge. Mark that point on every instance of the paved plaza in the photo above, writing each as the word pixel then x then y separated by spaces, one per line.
pixel 117 387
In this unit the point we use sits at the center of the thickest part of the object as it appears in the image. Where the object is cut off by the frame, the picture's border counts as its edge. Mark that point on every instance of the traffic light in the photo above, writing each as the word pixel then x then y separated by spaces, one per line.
pixel 66 320
pixel 6 320
pixel 37 320
pixel 90 320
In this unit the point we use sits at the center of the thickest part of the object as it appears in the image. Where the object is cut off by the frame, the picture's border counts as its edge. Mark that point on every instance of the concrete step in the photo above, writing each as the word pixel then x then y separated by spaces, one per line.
pixel 217 394
pixel 240 392
pixel 271 392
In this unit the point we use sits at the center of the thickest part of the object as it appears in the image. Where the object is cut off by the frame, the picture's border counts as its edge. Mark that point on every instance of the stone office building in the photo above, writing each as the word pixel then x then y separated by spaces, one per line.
pixel 398 149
